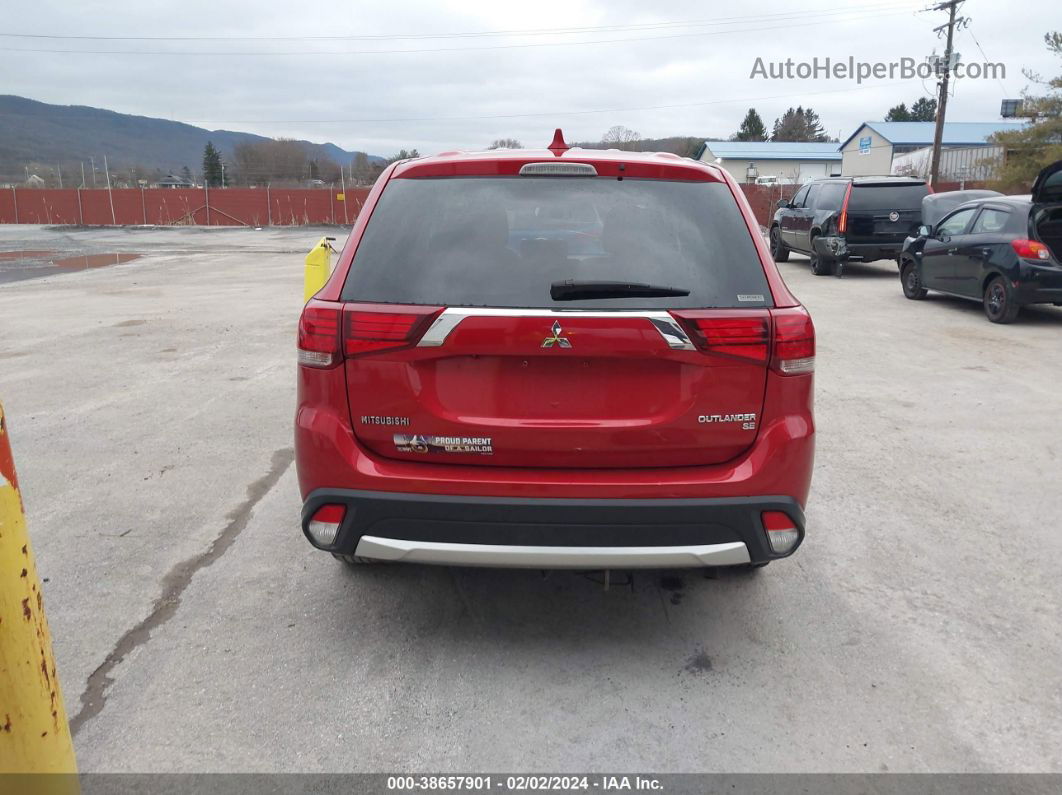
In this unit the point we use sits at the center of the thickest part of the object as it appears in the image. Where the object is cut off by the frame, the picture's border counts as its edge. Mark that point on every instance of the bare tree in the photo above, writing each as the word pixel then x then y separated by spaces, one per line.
pixel 620 137
pixel 263 162
pixel 360 168
pixel 505 143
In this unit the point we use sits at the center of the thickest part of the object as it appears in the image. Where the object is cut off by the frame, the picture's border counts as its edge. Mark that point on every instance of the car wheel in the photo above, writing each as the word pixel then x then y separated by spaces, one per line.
pixel 820 265
pixel 779 251
pixel 912 282
pixel 999 303
pixel 354 560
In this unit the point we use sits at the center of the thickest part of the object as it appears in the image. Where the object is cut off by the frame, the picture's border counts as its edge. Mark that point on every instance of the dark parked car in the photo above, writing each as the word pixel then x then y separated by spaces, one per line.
pixel 1005 251
pixel 843 219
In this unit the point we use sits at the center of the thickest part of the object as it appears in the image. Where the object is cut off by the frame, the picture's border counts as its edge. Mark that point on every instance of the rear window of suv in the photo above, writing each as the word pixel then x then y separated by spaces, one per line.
pixel 887 197
pixel 502 241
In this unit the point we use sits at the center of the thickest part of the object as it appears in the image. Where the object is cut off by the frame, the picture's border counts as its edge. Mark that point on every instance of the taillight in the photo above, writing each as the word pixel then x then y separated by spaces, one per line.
pixel 324 525
pixel 842 223
pixel 739 336
pixel 330 331
pixel 369 330
pixel 319 334
pixel 1030 249
pixel 794 341
pixel 782 532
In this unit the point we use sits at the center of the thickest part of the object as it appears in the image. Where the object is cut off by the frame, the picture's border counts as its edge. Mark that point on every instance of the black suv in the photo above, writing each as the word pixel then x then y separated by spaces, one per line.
pixel 1004 251
pixel 844 219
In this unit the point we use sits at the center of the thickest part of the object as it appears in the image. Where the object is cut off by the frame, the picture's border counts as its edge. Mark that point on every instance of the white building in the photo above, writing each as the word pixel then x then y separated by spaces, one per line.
pixel 793 162
pixel 871 149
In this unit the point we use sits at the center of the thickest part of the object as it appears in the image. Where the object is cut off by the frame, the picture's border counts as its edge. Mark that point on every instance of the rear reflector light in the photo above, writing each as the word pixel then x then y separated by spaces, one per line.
pixel 319 333
pixel 794 341
pixel 324 525
pixel 738 336
pixel 782 532
pixel 1030 249
pixel 330 331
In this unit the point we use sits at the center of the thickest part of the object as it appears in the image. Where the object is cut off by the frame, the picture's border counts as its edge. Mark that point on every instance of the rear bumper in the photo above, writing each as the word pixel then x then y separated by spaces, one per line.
pixel 552 532
pixel 840 248
pixel 1039 284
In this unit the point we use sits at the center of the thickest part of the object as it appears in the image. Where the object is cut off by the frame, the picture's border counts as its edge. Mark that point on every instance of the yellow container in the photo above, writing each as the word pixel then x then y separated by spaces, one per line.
pixel 318 268
pixel 34 733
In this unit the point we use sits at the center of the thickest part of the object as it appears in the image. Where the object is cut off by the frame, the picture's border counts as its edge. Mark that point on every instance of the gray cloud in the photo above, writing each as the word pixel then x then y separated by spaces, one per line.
pixel 288 95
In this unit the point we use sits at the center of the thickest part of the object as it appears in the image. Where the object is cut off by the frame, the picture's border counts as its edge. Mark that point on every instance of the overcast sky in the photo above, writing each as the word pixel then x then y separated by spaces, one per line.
pixel 693 56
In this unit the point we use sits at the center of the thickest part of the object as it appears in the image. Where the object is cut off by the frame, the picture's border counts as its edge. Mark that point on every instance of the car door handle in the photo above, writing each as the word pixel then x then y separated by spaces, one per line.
pixel 986 253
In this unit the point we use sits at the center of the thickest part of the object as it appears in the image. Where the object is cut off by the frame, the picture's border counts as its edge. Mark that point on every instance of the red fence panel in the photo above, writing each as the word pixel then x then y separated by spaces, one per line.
pixel 175 206
pixel 7 206
pixel 764 199
pixel 194 206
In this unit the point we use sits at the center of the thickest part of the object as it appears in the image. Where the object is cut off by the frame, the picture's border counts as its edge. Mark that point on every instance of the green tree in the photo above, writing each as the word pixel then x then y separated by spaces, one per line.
pixel 813 125
pixel 752 128
pixel 1039 144
pixel 505 143
pixel 211 165
pixel 402 154
pixel 924 109
pixel 898 113
pixel 186 175
pixel 799 125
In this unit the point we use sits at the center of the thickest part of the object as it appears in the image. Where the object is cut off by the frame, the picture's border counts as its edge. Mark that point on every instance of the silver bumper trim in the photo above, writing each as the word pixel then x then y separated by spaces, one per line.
pixel 536 557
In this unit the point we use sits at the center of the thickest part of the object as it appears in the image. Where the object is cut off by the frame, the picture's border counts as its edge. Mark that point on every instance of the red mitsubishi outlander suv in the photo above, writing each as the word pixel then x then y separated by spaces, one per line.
pixel 556 358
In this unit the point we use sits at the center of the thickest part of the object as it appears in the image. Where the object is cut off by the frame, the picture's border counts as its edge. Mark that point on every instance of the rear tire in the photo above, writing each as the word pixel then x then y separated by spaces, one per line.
pixel 779 250
pixel 999 303
pixel 820 265
pixel 912 282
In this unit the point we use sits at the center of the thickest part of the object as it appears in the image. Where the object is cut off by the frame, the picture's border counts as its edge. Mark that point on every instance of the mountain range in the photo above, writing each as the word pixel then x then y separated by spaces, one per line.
pixel 35 134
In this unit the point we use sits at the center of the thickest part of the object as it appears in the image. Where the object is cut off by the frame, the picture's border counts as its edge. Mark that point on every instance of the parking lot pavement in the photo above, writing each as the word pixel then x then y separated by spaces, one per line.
pixel 151 404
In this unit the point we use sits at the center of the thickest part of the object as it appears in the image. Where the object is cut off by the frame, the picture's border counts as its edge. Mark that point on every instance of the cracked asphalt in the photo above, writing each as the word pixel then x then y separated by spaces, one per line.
pixel 150 406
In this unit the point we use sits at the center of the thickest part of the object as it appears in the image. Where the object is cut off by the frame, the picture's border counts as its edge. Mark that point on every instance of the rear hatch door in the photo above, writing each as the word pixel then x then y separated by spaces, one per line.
pixel 884 212
pixel 486 368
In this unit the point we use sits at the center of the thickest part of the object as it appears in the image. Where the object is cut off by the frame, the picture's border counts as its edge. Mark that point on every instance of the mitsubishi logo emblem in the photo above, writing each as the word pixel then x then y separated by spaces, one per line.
pixel 556 339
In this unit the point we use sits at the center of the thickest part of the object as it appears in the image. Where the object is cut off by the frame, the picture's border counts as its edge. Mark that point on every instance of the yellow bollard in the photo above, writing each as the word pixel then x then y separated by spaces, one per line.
pixel 318 268
pixel 34 733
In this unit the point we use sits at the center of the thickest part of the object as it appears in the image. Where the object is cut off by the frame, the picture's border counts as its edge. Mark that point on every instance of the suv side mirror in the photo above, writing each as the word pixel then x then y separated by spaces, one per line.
pixel 925 231
pixel 782 204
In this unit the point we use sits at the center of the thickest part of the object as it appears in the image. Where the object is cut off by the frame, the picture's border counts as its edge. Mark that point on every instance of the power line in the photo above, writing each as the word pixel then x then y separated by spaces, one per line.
pixel 879 6
pixel 728 101
pixel 987 60
pixel 267 53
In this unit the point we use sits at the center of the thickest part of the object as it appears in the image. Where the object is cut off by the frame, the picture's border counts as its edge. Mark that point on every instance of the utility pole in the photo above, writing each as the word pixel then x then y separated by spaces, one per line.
pixel 82 173
pixel 223 173
pixel 942 100
pixel 59 172
pixel 92 163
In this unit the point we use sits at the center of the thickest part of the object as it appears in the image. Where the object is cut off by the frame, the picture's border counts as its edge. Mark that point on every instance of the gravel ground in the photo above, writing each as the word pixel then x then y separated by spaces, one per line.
pixel 917 629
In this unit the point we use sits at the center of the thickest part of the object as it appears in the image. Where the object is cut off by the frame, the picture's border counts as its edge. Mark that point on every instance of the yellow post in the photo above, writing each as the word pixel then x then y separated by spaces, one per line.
pixel 318 268
pixel 34 734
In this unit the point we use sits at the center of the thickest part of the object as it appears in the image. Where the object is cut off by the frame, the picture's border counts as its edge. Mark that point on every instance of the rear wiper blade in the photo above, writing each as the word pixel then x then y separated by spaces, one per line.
pixel 571 290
